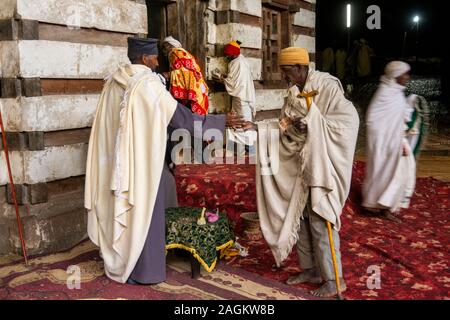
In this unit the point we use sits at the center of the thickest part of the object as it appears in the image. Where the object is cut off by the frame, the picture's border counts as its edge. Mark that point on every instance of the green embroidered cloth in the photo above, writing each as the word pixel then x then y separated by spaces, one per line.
pixel 202 241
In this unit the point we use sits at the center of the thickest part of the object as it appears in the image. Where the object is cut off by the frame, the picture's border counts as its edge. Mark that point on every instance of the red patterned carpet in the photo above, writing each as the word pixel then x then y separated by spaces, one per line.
pixel 413 256
pixel 46 278
pixel 231 188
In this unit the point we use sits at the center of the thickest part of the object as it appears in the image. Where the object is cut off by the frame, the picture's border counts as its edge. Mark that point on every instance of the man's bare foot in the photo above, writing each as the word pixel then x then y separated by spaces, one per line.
pixel 328 289
pixel 309 276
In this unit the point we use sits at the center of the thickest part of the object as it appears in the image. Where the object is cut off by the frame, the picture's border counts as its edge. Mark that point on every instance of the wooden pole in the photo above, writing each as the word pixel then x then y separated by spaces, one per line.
pixel 8 164
pixel 333 255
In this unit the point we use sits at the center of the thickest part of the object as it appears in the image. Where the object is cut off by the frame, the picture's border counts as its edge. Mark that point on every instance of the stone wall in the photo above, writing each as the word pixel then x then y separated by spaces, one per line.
pixel 54 55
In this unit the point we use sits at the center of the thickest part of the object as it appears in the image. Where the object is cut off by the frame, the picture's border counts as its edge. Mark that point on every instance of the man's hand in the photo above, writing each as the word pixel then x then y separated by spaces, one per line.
pixel 218 78
pixel 233 121
pixel 284 123
pixel 166 75
pixel 217 75
pixel 405 151
pixel 249 126
pixel 299 124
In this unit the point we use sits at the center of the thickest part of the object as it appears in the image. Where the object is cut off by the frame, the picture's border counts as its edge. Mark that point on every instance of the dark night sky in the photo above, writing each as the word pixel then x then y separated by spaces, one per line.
pixel 396 18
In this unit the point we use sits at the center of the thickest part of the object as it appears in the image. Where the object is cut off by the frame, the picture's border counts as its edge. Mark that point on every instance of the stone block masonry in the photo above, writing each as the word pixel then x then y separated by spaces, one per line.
pixel 54 55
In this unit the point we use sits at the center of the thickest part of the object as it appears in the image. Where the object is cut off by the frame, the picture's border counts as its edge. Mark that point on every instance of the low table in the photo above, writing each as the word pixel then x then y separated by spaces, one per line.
pixel 204 242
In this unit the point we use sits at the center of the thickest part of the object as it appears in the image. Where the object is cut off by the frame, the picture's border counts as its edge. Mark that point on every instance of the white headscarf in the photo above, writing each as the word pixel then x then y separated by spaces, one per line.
pixel 395 69
pixel 174 42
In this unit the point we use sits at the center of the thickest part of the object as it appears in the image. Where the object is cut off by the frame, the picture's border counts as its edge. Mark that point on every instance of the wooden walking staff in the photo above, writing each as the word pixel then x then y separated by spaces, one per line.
pixel 8 164
pixel 308 96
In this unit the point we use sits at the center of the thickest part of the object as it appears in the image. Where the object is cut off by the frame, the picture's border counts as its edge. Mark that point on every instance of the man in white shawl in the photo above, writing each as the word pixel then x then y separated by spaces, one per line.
pixel 391 169
pixel 239 85
pixel 128 183
pixel 304 171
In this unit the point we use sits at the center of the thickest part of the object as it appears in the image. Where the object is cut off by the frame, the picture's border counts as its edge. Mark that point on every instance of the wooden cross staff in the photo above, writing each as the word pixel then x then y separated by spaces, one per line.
pixel 8 164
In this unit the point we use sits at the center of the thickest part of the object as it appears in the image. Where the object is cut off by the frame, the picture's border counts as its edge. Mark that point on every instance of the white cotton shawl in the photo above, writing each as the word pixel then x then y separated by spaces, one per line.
pixel 239 81
pixel 387 170
pixel 320 166
pixel 124 165
pixel 174 42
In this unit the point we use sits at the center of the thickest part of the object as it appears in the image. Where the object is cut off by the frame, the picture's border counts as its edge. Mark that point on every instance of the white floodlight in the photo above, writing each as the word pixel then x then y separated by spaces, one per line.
pixel 349 15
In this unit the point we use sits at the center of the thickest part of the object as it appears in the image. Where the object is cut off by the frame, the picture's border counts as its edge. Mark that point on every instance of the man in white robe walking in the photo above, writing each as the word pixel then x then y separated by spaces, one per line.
pixel 391 169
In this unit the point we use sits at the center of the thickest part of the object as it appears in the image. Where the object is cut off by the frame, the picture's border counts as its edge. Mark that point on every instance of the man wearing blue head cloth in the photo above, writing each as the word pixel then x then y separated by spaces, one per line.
pixel 127 178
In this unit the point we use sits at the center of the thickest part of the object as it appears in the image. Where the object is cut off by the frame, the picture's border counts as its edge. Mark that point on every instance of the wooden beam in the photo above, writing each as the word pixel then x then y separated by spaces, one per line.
pixel 38 193
pixel 252 53
pixel 63 186
pixel 301 4
pixel 9 29
pixel 29 30
pixel 38 140
pixel 71 86
pixel 55 32
pixel 249 20
pixel 265 115
pixel 16 87
pixel 10 88
pixel 42 192
pixel 286 29
pixel 31 87
pixel 278 4
pixel 66 137
pixel 304 31
pixel 232 16
pixel 17 141
pixel 35 140
pixel 279 84
pixel 28 194
pixel 173 26
pixel 227 16
pixel 201 34
pixel 21 191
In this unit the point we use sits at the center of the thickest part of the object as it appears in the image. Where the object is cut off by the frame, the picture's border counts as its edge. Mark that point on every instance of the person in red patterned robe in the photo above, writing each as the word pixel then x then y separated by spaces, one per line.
pixel 187 84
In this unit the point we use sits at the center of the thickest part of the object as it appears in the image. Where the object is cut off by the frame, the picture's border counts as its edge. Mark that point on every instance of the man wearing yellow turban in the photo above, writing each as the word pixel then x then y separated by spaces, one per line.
pixel 304 181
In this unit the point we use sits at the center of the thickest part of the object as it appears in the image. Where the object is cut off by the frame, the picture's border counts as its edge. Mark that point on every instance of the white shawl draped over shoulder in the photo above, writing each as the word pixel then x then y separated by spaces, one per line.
pixel 239 81
pixel 390 176
pixel 239 85
pixel 320 166
pixel 124 165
